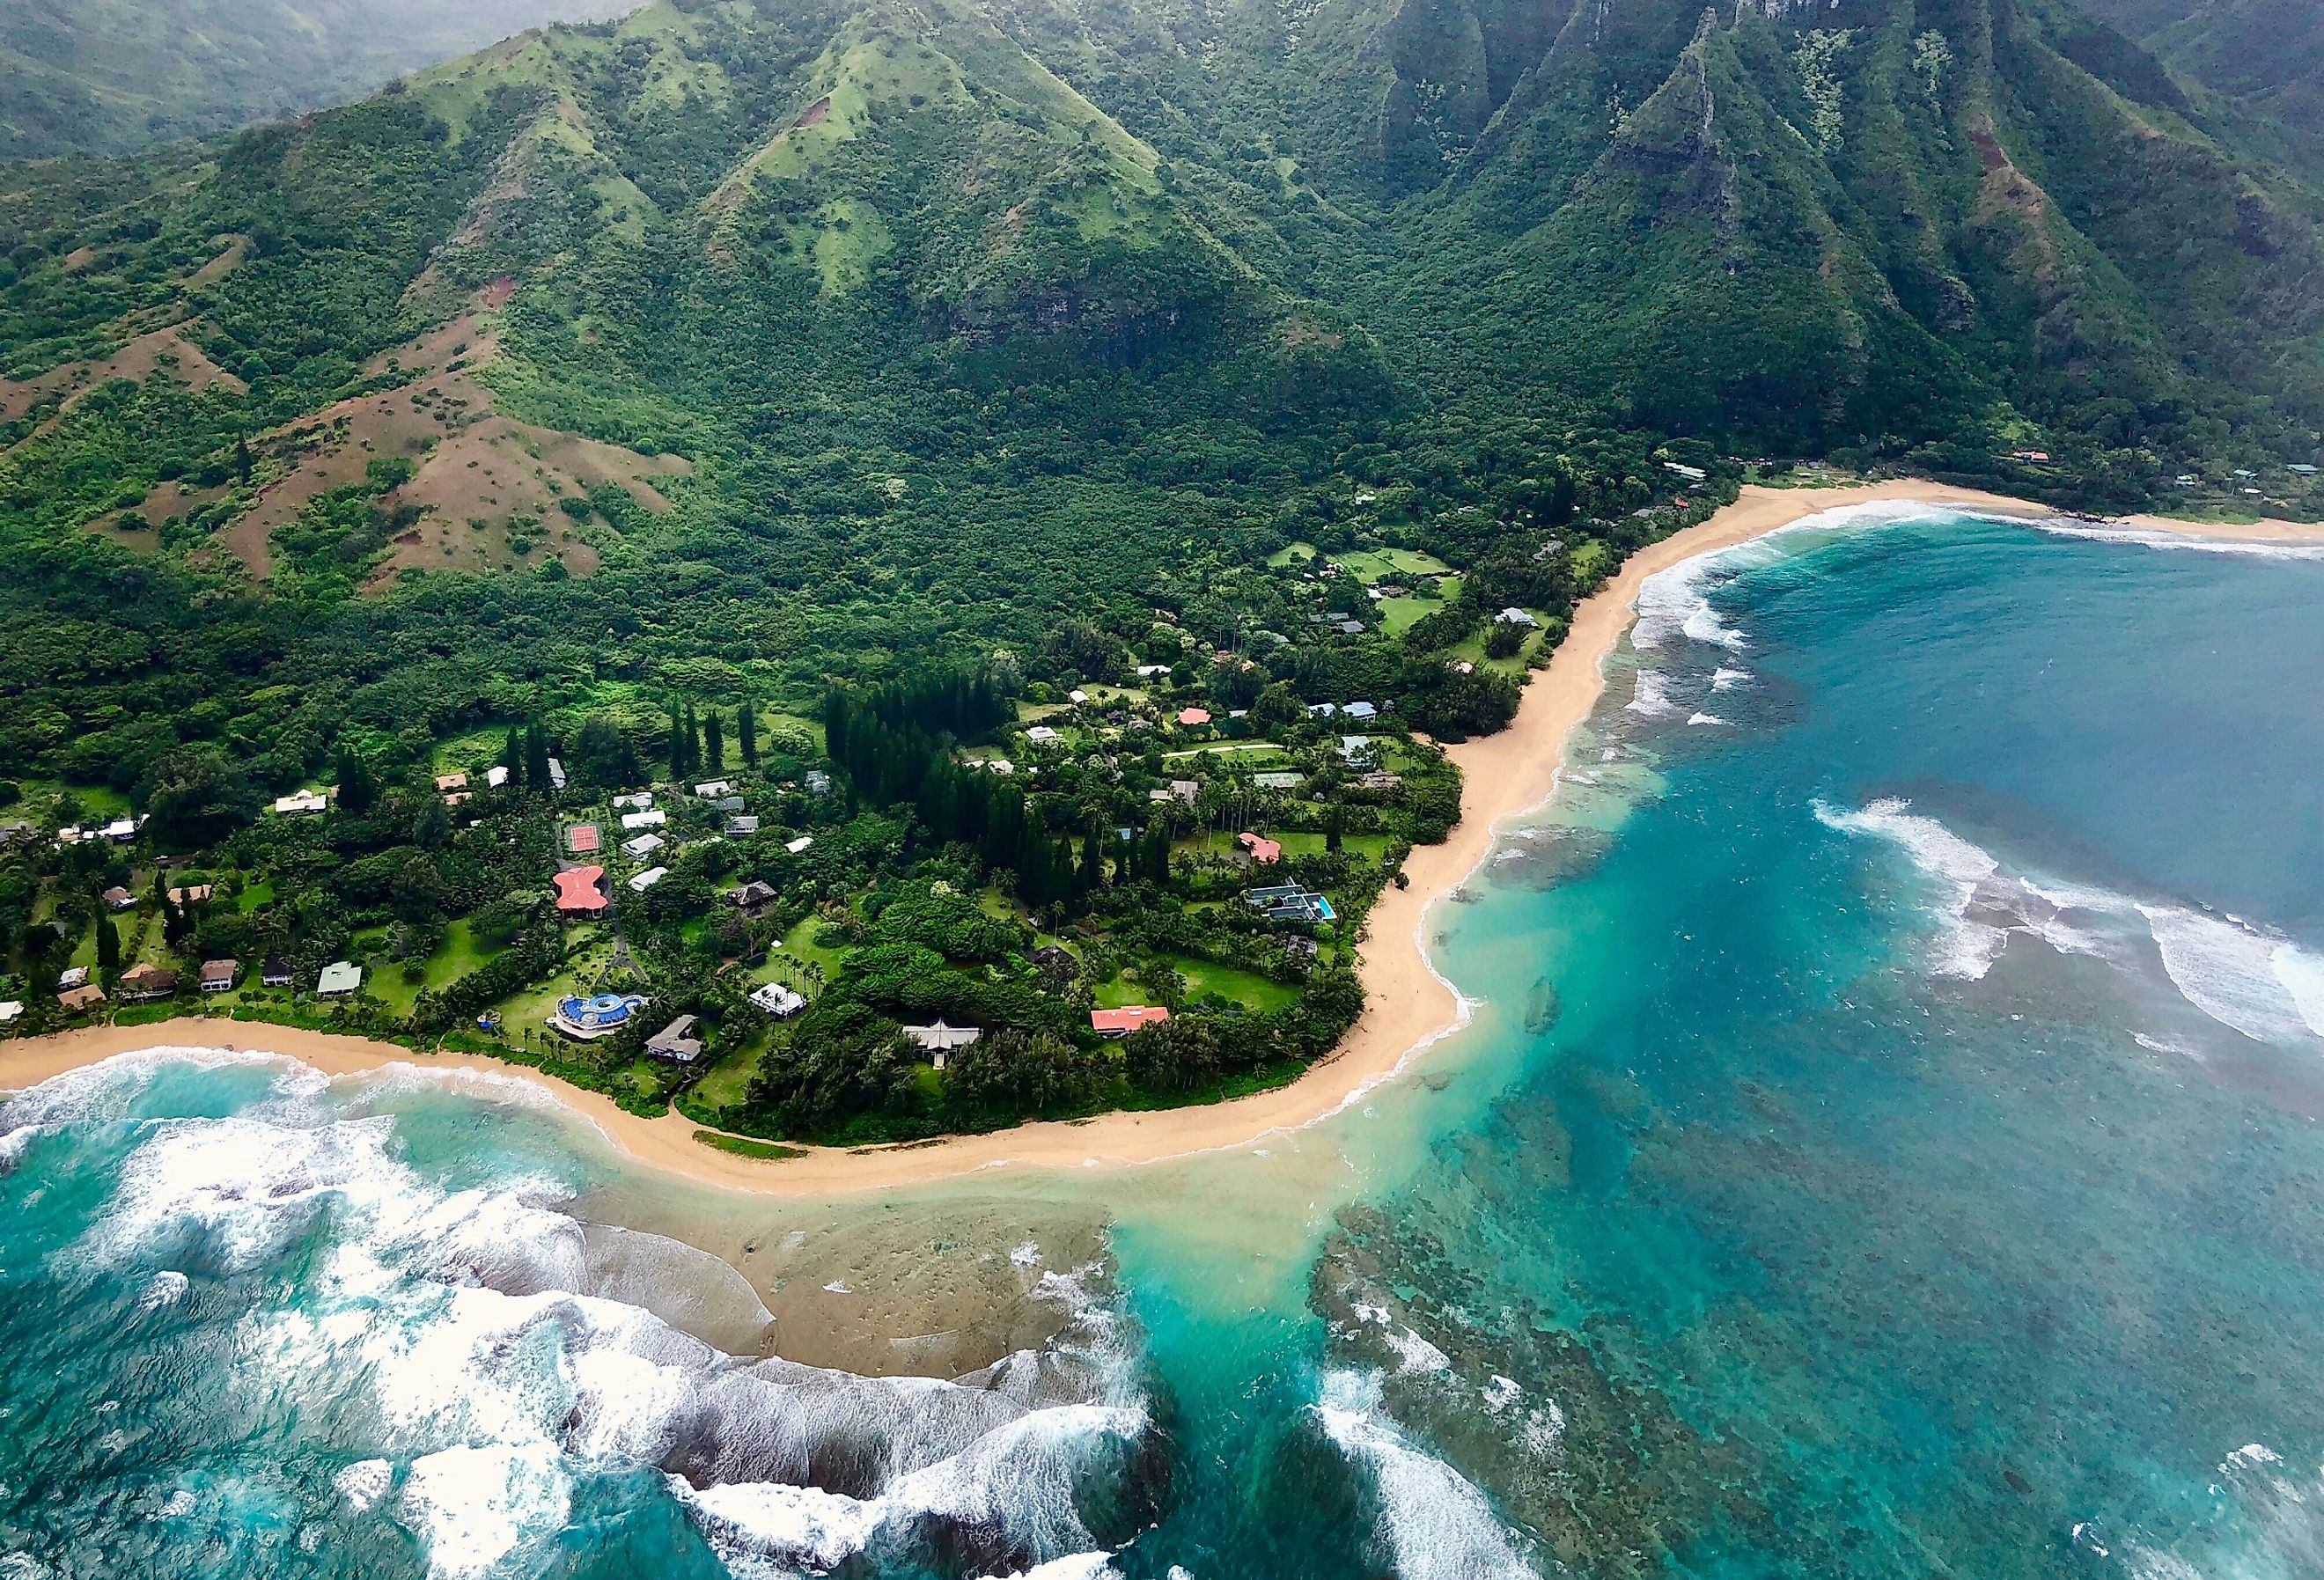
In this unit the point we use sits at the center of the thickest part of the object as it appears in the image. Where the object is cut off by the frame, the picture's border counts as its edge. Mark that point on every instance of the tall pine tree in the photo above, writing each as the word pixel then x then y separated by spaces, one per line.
pixel 746 730
pixel 536 756
pixel 714 741
pixel 512 757
pixel 677 741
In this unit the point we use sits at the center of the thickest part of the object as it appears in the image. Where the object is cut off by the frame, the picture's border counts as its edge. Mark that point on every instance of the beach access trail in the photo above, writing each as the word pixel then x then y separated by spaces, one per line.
pixel 1408 1005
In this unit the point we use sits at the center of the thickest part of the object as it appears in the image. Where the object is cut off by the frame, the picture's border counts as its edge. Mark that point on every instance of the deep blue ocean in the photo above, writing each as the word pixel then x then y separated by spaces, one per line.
pixel 1886 1145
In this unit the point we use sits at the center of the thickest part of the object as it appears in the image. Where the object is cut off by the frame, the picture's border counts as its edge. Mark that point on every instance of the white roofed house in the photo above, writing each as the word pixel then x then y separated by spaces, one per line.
pixel 496 776
pixel 642 846
pixel 305 803
pixel 1514 616
pixel 676 1043
pixel 647 879
pixel 651 818
pixel 710 790
pixel 1042 735
pixel 777 1000
pixel 555 775
pixel 742 825
pixel 636 799
pixel 938 1038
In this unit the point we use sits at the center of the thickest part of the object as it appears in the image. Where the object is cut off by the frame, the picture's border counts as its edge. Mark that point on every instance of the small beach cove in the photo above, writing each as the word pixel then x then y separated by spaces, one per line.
pixel 1410 1006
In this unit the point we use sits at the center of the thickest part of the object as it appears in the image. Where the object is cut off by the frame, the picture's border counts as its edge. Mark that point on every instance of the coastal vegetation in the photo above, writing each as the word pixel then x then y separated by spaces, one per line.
pixel 1015 459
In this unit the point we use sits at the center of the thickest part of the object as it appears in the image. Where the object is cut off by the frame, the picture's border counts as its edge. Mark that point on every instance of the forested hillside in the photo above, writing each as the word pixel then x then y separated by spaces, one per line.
pixel 2264 58
pixel 97 76
pixel 1256 360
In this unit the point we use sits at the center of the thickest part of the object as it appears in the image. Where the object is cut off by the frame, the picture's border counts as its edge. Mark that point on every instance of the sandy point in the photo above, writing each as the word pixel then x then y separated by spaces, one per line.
pixel 1409 1005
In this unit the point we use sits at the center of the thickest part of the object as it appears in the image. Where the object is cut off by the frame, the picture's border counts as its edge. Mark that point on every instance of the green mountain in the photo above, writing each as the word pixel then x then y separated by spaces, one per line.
pixel 115 75
pixel 2264 58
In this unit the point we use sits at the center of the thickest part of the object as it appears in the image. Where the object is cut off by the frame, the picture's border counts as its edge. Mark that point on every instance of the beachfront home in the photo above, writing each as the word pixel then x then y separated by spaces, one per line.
pixel 1289 902
pixel 1360 710
pixel 676 1043
pixel 646 880
pixel 339 978
pixel 938 1037
pixel 146 980
pixel 581 890
pixel 1379 779
pixel 777 1000
pixel 1121 1022
pixel 86 996
pixel 1515 617
pixel 275 971
pixel 1355 748
pixel 219 976
pixel 586 1018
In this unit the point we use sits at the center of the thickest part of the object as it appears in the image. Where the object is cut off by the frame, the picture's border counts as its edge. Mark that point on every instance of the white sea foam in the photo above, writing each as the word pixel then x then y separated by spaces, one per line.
pixel 1651 698
pixel 1435 1523
pixel 2244 976
pixel 364 1483
pixel 466 1336
pixel 1416 1354
pixel 1674 602
pixel 2184 543
pixel 1704 718
pixel 13 1145
pixel 1074 1566
pixel 1956 868
pixel 166 1288
pixel 1726 679
pixel 1026 1255
pixel 1500 1392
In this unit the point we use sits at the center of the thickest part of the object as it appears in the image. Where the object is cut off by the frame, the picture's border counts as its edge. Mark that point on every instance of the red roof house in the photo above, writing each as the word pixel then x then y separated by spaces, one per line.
pixel 1262 849
pixel 1122 1022
pixel 1192 717
pixel 581 890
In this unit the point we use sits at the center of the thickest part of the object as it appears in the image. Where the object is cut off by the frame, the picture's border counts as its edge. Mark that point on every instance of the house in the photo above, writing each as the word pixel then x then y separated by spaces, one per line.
pixel 676 1043
pixel 999 765
pixel 636 800
pixel 305 803
pixel 198 894
pixel 586 1019
pixel 2029 456
pixel 2301 469
pixel 1042 735
pixel 1379 778
pixel 1262 849
pixel 451 781
pixel 80 998
pixel 798 844
pixel 940 1038
pixel 456 797
pixel 1513 615
pixel 275 971
pixel 122 830
pixel 1057 962
pixel 1289 902
pixel 1278 781
pixel 742 827
pixel 1691 473
pixel 146 980
pixel 71 977
pixel 1194 718
pixel 1186 789
pixel 217 976
pixel 1076 698
pixel 1321 709
pixel 727 804
pixel 555 775
pixel 777 1000
pixel 1300 947
pixel 10 1009
pixel 1355 748
pixel 581 890
pixel 642 846
pixel 1151 671
pixel 339 978
pixel 633 821
pixel 119 898
pixel 582 838
pixel 1122 1022
pixel 751 896
pixel 1351 628
pixel 1360 710
pixel 646 880
pixel 710 790
pixel 497 776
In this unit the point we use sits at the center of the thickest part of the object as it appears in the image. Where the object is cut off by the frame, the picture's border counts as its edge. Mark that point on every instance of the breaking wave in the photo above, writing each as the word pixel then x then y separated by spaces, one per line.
pixel 1434 1521
pixel 2246 977
pixel 1651 698
pixel 2184 543
pixel 475 1358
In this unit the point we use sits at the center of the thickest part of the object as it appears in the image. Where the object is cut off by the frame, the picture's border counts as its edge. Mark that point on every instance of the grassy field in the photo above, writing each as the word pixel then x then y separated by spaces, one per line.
pixel 726 1083
pixel 744 1147
pixel 1203 978
pixel 459 954
pixel 799 945
pixel 1380 565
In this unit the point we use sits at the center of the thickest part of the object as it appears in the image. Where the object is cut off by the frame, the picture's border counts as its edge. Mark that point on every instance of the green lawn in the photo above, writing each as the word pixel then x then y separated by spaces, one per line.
pixel 1380 565
pixel 744 1147
pixel 726 1083
pixel 459 954
pixel 1248 988
pixel 1300 553
pixel 1369 845
pixel 799 945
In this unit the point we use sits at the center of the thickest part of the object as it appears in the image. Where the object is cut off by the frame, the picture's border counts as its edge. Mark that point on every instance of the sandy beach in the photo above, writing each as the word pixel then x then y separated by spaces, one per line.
pixel 1409 1006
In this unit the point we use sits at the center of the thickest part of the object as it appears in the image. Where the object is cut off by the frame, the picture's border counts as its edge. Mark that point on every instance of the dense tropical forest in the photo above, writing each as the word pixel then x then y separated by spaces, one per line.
pixel 1051 475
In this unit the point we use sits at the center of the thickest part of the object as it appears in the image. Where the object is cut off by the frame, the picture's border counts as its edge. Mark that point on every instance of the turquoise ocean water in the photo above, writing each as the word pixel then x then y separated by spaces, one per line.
pixel 1886 1145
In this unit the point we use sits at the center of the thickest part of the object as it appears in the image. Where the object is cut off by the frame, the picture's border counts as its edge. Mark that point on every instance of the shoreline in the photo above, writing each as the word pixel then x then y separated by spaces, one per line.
pixel 1409 1005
